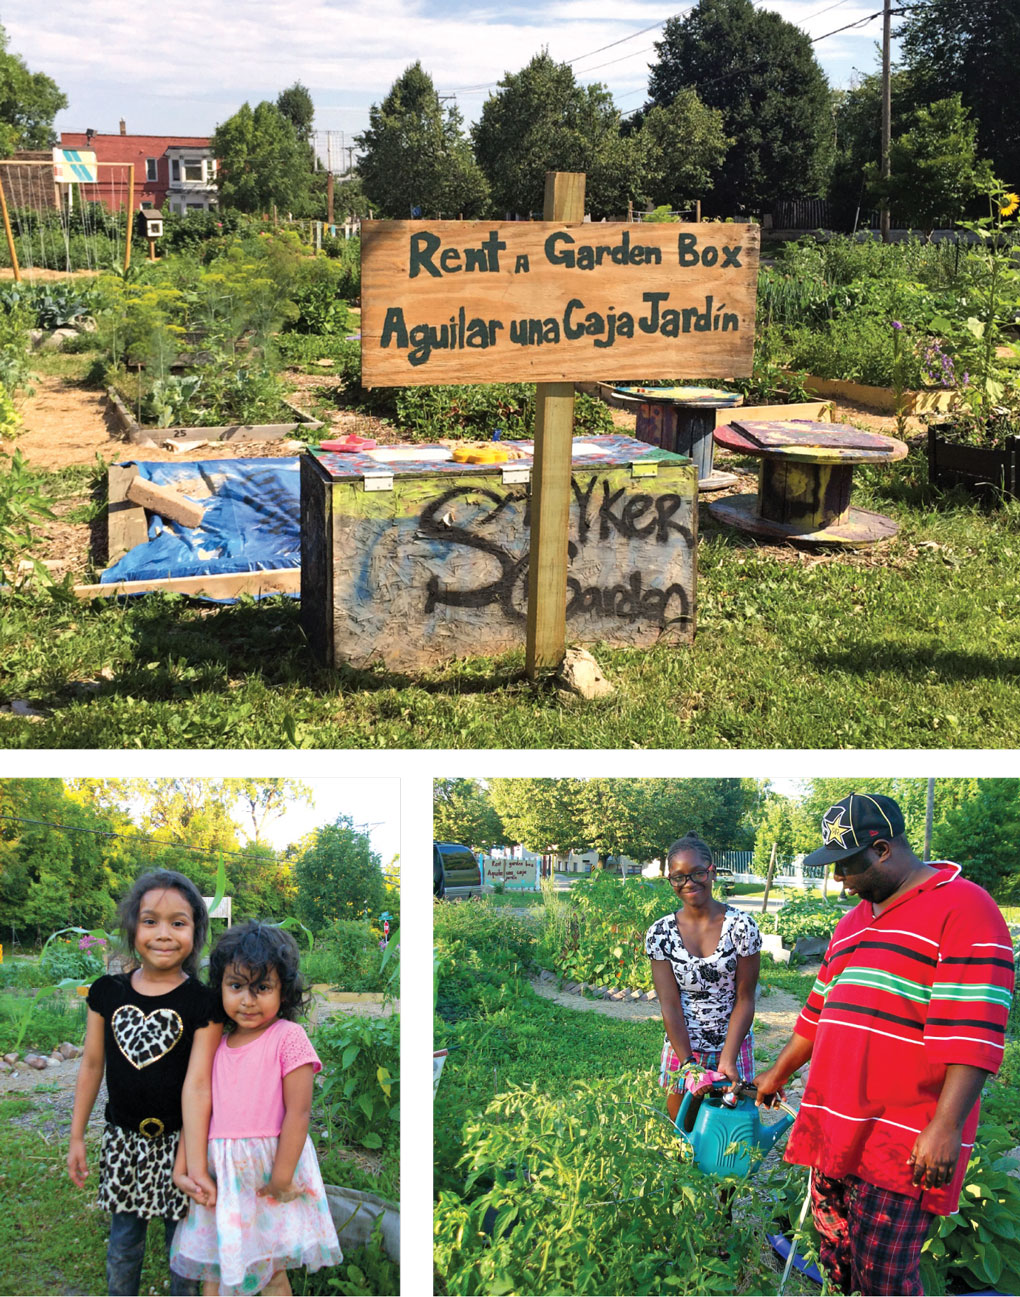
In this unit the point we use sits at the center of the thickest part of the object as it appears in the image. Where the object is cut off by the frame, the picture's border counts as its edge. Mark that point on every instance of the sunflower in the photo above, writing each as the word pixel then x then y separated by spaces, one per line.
pixel 1010 203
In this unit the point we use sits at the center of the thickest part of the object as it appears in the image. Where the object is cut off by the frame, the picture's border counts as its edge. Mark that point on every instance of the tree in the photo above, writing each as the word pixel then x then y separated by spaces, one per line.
pixel 934 167
pixel 857 122
pixel 785 823
pixel 760 72
pixel 981 834
pixel 683 146
pixel 267 799
pixel 973 50
pixel 462 811
pixel 29 101
pixel 639 818
pixel 338 876
pixel 540 814
pixel 295 103
pixel 415 161
pixel 262 161
pixel 541 120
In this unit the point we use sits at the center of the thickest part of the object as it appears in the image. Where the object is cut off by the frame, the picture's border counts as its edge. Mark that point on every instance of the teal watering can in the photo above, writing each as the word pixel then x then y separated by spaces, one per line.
pixel 724 1138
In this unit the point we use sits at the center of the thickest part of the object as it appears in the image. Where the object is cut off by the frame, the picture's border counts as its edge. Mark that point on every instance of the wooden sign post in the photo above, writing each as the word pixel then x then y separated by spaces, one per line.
pixel 553 302
pixel 550 501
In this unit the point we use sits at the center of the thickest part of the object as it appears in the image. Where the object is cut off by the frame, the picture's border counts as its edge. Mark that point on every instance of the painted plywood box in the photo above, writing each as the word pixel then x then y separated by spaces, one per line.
pixel 415 559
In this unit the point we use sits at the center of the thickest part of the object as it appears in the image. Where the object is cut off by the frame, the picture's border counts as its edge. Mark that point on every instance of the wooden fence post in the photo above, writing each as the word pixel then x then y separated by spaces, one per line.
pixel 550 497
pixel 768 880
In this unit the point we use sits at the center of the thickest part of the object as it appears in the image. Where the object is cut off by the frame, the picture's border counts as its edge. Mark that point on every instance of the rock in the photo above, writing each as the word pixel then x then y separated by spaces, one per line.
pixel 546 976
pixel 67 1050
pixel 580 674
pixel 56 339
pixel 637 995
pixel 54 1060
pixel 651 995
pixel 5 1067
pixel 87 325
pixel 34 1060
pixel 10 1058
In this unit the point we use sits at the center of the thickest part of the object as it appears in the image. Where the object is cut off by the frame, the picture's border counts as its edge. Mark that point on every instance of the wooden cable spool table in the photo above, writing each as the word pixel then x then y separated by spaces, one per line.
pixel 805 479
pixel 682 419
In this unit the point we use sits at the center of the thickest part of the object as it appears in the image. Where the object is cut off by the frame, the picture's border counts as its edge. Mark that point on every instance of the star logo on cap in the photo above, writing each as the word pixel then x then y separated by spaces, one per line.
pixel 834 831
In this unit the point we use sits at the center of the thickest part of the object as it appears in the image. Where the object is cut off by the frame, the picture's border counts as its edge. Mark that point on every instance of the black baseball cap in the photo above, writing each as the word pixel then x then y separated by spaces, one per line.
pixel 854 823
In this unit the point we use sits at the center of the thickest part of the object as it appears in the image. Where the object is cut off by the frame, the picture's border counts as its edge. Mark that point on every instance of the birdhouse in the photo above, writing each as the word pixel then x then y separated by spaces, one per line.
pixel 148 224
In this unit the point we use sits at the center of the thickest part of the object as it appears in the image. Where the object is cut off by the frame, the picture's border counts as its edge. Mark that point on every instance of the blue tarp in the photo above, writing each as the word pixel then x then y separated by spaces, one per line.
pixel 252 521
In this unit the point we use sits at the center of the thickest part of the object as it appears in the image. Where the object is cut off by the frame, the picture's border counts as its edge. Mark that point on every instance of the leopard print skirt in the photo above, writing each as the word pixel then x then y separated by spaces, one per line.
pixel 136 1174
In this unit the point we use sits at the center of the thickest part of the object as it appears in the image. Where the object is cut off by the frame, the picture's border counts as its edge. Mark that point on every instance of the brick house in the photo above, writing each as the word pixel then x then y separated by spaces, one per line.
pixel 174 169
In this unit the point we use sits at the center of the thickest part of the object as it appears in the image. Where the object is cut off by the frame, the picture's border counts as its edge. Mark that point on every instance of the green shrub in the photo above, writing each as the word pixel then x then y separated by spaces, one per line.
pixel 347 252
pixel 480 954
pixel 76 957
pixel 318 297
pixel 977 1247
pixel 600 937
pixel 58 1017
pixel 585 1192
pixel 361 1060
pixel 21 973
pixel 808 916
pixel 345 956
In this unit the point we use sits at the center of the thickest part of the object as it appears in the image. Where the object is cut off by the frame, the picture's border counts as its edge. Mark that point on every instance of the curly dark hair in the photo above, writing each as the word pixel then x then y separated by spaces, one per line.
pixel 697 846
pixel 163 880
pixel 258 947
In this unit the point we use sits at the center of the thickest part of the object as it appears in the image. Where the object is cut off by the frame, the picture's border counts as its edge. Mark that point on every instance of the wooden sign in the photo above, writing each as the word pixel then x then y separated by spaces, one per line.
pixel 541 301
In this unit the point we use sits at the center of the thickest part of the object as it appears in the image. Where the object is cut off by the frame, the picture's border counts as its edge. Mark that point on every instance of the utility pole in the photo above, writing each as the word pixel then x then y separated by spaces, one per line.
pixel 886 110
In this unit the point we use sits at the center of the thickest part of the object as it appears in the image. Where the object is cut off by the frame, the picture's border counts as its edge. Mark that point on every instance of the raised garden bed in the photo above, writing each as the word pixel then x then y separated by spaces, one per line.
pixel 982 471
pixel 148 436
pixel 881 398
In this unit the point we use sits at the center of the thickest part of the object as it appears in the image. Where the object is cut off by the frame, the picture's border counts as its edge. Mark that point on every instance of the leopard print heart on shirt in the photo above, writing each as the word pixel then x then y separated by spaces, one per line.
pixel 143 1038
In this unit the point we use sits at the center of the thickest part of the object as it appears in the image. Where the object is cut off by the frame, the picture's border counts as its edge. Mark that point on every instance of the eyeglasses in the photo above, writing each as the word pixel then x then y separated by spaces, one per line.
pixel 695 876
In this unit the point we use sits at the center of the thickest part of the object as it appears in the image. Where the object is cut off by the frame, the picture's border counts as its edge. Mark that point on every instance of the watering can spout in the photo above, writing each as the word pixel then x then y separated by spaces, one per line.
pixel 767 1135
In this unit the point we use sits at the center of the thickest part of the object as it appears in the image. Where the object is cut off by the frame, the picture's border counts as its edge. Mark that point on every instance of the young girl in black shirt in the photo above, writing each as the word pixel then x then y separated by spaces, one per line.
pixel 144 1028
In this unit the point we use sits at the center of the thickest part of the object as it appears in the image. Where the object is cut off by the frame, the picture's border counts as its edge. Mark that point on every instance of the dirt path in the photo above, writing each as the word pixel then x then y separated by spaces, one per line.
pixel 774 1014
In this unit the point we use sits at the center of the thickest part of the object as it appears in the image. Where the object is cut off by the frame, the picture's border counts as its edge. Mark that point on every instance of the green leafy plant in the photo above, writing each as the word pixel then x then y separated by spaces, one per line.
pixel 808 916
pixel 362 1059
pixel 21 507
pixel 585 1192
pixel 978 1246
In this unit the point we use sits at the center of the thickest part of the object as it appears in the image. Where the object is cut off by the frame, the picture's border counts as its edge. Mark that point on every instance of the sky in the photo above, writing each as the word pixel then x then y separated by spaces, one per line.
pixel 189 64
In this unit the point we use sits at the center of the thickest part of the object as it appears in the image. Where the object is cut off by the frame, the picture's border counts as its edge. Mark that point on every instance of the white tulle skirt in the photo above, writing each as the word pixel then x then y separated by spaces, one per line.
pixel 244 1240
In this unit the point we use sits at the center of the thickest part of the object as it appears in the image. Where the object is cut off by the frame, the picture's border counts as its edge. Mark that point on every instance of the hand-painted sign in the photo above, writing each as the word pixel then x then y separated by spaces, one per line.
pixel 74 166
pixel 537 301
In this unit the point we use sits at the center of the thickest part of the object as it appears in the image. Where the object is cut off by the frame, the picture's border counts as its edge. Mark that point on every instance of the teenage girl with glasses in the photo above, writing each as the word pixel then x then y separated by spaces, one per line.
pixel 705 958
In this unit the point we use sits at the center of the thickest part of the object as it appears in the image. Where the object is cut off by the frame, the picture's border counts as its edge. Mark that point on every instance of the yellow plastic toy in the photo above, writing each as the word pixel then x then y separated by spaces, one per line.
pixel 486 452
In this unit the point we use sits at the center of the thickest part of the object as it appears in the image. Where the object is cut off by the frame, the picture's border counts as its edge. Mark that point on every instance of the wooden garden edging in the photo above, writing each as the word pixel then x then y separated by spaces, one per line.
pixel 127 527
pixel 141 435
pixel 883 398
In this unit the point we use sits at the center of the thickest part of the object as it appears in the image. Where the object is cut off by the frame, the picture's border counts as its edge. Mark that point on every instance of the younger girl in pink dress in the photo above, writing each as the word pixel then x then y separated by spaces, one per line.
pixel 259 1207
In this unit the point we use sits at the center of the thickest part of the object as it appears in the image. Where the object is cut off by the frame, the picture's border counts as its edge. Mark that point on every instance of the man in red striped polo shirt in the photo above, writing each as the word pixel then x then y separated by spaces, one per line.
pixel 903 1025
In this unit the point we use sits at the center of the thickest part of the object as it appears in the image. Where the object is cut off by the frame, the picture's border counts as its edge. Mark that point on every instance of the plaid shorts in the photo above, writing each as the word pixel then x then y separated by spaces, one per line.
pixel 871 1238
pixel 669 1066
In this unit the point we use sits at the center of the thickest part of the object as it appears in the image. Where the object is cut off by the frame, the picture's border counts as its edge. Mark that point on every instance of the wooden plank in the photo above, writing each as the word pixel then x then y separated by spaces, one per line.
pixel 555 301
pixel 550 503
pixel 125 521
pixel 223 585
pixel 165 501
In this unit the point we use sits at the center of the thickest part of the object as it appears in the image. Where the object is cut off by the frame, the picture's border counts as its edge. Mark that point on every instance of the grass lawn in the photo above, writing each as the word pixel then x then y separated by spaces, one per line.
pixel 911 645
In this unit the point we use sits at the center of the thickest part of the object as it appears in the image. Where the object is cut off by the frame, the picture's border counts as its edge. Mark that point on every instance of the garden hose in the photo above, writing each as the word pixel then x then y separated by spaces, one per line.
pixel 796 1236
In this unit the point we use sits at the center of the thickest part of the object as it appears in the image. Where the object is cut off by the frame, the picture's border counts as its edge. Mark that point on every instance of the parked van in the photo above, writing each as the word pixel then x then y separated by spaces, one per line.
pixel 455 871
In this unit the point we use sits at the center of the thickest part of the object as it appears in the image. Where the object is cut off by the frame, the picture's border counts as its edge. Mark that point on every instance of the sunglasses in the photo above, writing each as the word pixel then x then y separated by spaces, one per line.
pixel 695 876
